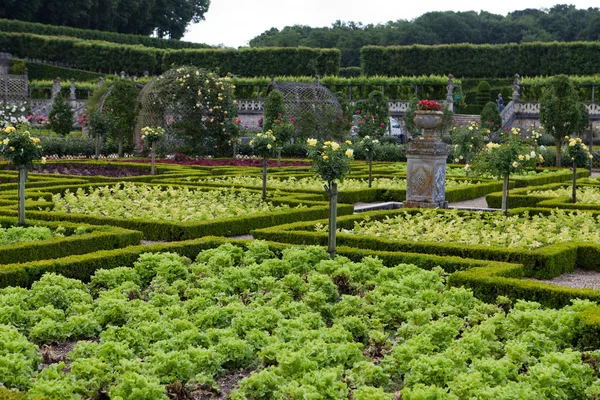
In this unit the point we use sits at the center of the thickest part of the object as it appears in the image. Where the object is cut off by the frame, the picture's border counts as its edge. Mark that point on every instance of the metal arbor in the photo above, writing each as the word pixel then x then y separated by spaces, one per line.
pixel 313 105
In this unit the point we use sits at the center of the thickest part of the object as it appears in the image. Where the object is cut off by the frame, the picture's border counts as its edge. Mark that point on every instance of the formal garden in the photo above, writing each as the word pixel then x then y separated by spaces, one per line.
pixel 155 246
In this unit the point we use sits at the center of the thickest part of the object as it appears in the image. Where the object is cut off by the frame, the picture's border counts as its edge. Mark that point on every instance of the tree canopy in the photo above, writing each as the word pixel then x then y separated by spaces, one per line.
pixel 166 18
pixel 561 23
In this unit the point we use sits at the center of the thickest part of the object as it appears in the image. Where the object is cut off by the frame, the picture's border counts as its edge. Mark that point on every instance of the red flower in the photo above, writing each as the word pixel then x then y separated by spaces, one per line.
pixel 429 105
pixel 382 125
pixel 357 112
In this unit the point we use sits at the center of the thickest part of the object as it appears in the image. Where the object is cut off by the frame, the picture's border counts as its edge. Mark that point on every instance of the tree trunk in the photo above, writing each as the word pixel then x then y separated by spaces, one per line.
pixel 505 195
pixel 574 193
pixel 264 179
pixel 558 148
pixel 333 194
pixel 120 146
pixel 370 160
pixel 279 157
pixel 591 150
pixel 22 179
pixel 153 155
pixel 97 147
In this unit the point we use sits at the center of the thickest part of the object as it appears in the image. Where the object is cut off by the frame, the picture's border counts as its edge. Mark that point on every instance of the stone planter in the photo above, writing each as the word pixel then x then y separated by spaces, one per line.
pixel 428 121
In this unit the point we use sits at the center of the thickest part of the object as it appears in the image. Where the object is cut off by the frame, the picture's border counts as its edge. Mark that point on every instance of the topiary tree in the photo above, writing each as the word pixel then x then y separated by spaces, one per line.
pixel 61 116
pixel 484 93
pixel 490 117
pixel 121 103
pixel 274 109
pixel 559 110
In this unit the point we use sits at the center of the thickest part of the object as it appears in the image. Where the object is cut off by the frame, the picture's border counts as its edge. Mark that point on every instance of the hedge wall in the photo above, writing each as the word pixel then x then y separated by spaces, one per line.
pixel 8 25
pixel 41 71
pixel 293 61
pixel 110 57
pixel 95 55
pixel 479 61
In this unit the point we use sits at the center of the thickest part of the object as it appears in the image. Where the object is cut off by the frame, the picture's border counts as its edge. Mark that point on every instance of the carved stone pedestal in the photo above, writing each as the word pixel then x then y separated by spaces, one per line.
pixel 426 172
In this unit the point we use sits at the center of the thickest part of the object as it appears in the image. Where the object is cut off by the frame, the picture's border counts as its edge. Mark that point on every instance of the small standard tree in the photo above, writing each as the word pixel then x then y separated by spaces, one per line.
pixel 370 146
pixel 331 162
pixel 559 110
pixel 490 117
pixel 579 156
pixel 61 116
pixel 122 104
pixel 509 157
pixel 263 145
pixel 21 150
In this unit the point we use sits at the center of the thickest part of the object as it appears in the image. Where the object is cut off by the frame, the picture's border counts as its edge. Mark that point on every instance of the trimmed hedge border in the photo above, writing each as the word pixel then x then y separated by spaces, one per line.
pixel 170 231
pixel 520 198
pixel 99 238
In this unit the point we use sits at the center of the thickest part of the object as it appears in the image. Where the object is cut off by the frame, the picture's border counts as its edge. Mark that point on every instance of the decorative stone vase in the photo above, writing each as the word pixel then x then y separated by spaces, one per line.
pixel 428 121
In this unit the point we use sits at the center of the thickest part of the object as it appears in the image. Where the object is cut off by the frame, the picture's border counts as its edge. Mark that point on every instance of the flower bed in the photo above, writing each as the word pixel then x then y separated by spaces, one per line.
pixel 554 258
pixel 169 214
pixel 483 229
pixel 168 328
pixel 220 162
pixel 156 203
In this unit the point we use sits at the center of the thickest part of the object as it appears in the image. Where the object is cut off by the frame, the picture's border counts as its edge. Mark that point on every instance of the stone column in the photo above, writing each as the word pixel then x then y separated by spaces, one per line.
pixel 426 171
pixel 100 82
pixel 450 93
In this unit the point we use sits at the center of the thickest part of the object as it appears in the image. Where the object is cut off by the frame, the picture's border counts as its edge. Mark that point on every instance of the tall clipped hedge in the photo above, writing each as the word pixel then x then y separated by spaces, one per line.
pixel 267 61
pixel 40 71
pixel 9 25
pixel 478 61
pixel 110 57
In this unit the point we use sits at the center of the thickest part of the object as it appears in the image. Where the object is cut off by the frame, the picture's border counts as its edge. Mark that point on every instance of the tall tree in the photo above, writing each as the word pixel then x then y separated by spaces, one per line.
pixel 559 110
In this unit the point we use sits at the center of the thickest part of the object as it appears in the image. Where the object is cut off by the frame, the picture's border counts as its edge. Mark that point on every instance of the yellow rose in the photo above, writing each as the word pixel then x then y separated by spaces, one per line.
pixel 515 164
pixel 5 142
pixel 311 142
pixel 349 153
pixel 348 142
pixel 521 157
pixel 325 157
pixel 335 146
pixel 10 129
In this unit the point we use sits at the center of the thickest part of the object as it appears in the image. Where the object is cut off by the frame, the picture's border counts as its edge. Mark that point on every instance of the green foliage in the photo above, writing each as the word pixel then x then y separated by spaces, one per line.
pixel 483 93
pixel 376 106
pixel 490 117
pixel 17 67
pixel 207 120
pixel 41 71
pixel 578 153
pixel 19 147
pixel 331 161
pixel 467 142
pixel 264 144
pixel 18 358
pixel 61 116
pixel 559 110
pixel 100 124
pixel 274 109
pixel 121 102
pixel 510 157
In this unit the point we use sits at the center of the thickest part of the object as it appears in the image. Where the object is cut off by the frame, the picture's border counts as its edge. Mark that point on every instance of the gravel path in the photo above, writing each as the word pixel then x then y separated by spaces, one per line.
pixel 580 279
pixel 473 203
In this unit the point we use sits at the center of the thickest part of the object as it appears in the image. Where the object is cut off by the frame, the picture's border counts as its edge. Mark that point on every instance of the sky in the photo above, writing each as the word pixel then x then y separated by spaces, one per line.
pixel 234 23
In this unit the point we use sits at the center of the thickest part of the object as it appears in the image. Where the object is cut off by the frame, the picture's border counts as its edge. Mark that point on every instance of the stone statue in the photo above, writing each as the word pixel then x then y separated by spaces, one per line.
pixel 73 97
pixel 516 88
pixel 55 88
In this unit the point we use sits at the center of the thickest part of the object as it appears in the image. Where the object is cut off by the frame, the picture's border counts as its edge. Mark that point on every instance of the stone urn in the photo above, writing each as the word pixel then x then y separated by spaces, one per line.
pixel 428 121
pixel 426 170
